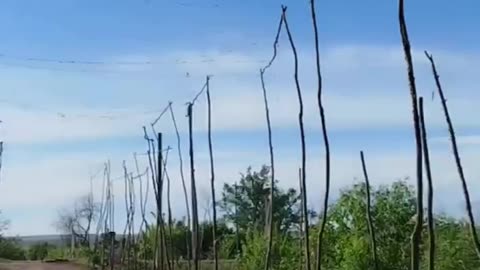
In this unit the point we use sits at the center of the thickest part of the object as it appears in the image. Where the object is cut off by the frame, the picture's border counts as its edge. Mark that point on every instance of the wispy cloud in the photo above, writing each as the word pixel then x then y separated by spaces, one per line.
pixel 365 89
pixel 355 97
pixel 461 140
pixel 55 182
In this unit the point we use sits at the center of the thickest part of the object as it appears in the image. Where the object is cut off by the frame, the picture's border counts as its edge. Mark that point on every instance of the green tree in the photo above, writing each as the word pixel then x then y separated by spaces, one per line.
pixel 286 254
pixel 3 224
pixel 39 251
pixel 454 248
pixel 11 250
pixel 393 208
pixel 179 238
pixel 246 203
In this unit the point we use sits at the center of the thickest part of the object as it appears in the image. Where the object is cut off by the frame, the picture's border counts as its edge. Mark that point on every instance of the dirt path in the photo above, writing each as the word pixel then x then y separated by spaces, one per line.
pixel 39 266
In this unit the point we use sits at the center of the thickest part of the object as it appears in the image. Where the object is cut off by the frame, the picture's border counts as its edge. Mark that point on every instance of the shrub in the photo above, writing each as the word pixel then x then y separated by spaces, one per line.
pixel 39 251
pixel 285 252
pixel 11 250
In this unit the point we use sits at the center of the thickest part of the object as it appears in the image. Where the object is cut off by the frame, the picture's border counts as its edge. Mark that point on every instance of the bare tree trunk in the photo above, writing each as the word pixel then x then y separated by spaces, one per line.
pixel 159 236
pixel 182 176
pixel 301 216
pixel 302 137
pixel 371 229
pixel 417 233
pixel 270 146
pixel 170 222
pixel 150 153
pixel 212 175
pixel 431 221
pixel 164 235
pixel 195 251
pixel 124 255
pixel 325 138
pixel 237 233
pixel 143 203
pixel 101 217
pixel 456 153
pixel 1 157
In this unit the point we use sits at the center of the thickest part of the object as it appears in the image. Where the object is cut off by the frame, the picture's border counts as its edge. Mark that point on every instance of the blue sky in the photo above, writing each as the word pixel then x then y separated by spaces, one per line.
pixel 64 120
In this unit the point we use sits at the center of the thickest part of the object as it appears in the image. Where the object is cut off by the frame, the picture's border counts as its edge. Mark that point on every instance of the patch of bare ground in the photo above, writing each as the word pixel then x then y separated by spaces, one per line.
pixel 40 266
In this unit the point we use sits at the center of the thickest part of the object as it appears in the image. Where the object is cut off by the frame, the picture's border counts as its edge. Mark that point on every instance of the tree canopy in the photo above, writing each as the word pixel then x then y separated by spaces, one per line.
pixel 246 202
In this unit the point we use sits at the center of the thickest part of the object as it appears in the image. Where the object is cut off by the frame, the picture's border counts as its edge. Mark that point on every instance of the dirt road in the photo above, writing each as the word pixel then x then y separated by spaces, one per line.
pixel 39 266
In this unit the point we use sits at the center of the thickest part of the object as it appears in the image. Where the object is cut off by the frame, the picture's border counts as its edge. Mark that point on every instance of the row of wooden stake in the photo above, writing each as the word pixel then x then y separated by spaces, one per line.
pixel 157 171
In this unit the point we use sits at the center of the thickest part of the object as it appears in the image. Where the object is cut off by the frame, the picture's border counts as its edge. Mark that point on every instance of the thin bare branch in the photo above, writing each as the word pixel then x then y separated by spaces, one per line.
pixel 417 232
pixel 184 185
pixel 124 257
pixel 1 158
pixel 324 134
pixel 143 206
pixel 170 220
pixel 302 235
pixel 371 229
pixel 195 247
pixel 204 87
pixel 212 176
pixel 164 237
pixel 270 146
pixel 426 160
pixel 456 153
pixel 160 115
pixel 302 136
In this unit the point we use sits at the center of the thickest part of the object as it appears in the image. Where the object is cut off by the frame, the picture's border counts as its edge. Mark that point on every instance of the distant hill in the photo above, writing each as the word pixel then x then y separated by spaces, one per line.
pixel 58 240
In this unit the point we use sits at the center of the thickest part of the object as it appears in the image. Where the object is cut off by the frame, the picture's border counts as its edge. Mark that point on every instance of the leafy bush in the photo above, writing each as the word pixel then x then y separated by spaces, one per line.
pixel 11 250
pixel 39 251
pixel 285 252
pixel 55 254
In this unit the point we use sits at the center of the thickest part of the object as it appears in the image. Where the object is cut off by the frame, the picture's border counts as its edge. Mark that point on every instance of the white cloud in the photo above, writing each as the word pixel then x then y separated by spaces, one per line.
pixel 461 140
pixel 54 183
pixel 355 97
pixel 365 89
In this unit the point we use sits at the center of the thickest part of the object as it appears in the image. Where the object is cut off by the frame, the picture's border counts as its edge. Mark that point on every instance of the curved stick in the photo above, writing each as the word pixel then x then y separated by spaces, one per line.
pixel 302 137
pixel 301 215
pixel 417 232
pixel 212 175
pixel 369 212
pixel 451 130
pixel 143 206
pixel 184 185
pixel 270 146
pixel 170 222
pixel 426 158
pixel 325 137
pixel 195 247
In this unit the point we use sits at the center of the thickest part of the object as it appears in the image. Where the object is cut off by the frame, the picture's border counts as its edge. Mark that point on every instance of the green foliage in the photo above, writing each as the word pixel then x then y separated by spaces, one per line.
pixel 39 251
pixel 179 237
pixel 11 250
pixel 454 249
pixel 253 251
pixel 285 253
pixel 347 243
pixel 3 224
pixel 246 203
pixel 55 254
pixel 227 247
pixel 346 246
pixel 392 209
